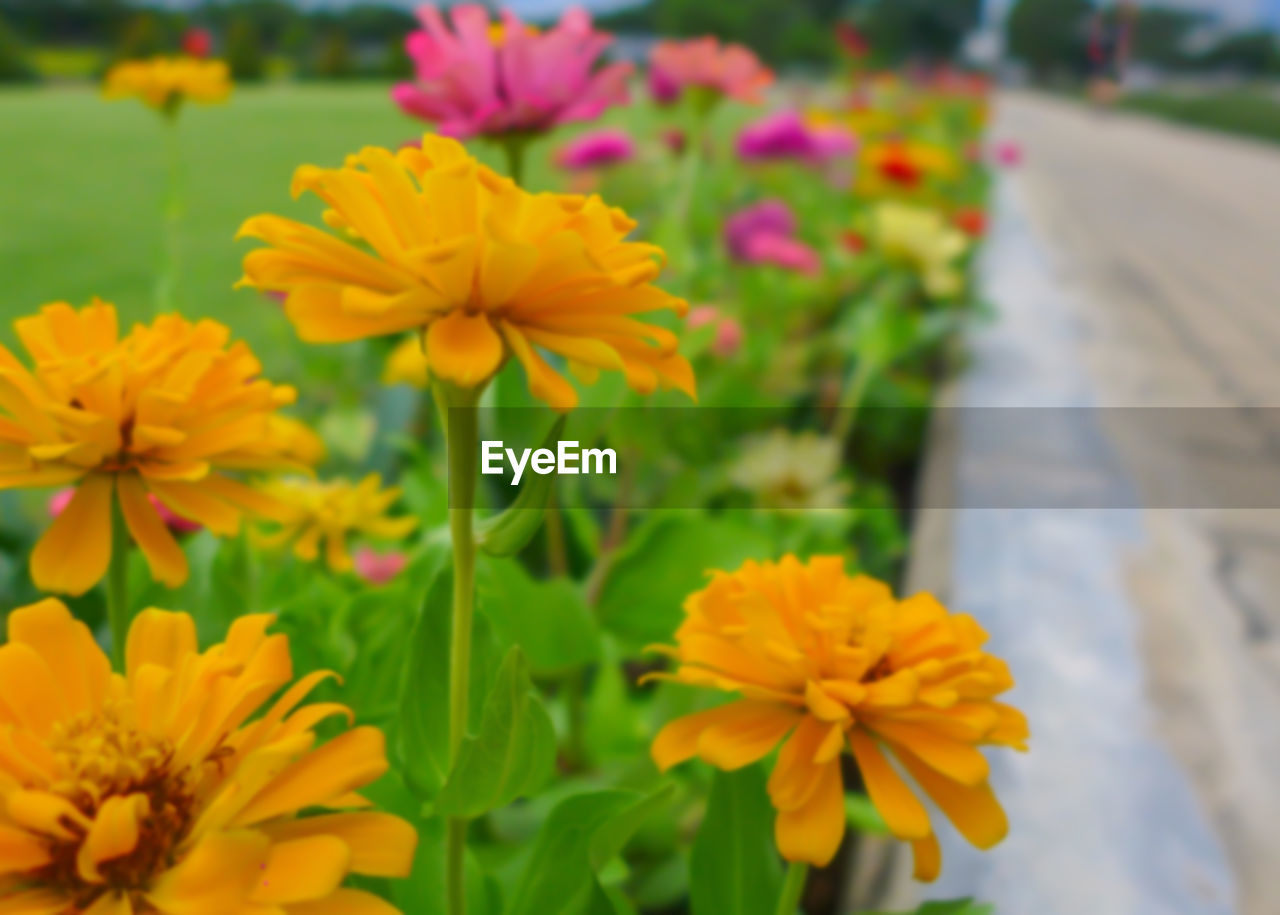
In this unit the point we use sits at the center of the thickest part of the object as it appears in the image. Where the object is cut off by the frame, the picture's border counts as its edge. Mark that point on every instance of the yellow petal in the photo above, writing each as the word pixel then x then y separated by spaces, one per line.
pixel 74 552
pixel 741 738
pixel 973 810
pixel 162 638
pixel 21 851
pixel 194 502
pixel 953 759
pixel 545 383
pixel 216 877
pixel 28 691
pixel 347 762
pixel 79 667
pixel 902 811
pixel 381 845
pixel 346 902
pixel 111 903
pixel 812 832
pixel 303 869
pixel 164 556
pixel 463 348
pixel 928 858
pixel 114 834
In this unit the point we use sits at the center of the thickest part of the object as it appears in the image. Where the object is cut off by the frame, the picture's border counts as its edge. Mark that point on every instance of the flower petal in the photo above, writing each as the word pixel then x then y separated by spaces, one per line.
pixel 902 811
pixel 463 348
pixel 74 552
pixel 165 558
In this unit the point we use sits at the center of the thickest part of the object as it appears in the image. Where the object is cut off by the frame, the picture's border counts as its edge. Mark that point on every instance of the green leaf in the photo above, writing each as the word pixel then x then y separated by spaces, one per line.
pixel 513 753
pixel 863 815
pixel 665 562
pixel 947 907
pixel 548 619
pixel 423 738
pixel 508 532
pixel 424 693
pixel 734 869
pixel 560 875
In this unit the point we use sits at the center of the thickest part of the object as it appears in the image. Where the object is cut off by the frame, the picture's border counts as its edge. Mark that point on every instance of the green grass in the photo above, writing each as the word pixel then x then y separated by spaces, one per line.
pixel 1245 112
pixel 82 182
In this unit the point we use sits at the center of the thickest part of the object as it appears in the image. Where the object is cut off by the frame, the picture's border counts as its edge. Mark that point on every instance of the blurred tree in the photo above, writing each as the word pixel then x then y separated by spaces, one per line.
pixel 1048 35
pixel 930 30
pixel 142 37
pixel 333 60
pixel 14 65
pixel 1161 34
pixel 397 63
pixel 245 54
pixel 1252 53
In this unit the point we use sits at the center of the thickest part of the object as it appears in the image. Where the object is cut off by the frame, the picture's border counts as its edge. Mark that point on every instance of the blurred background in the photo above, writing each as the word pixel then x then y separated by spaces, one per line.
pixel 1131 263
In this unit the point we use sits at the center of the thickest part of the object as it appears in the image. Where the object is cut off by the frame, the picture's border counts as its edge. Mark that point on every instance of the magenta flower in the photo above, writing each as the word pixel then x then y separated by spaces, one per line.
pixel 491 79
pixel 1008 153
pixel 729 69
pixel 596 149
pixel 785 135
pixel 764 234
pixel 378 568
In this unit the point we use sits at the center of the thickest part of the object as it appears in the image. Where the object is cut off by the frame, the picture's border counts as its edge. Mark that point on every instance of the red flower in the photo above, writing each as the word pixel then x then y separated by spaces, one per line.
pixel 197 43
pixel 972 221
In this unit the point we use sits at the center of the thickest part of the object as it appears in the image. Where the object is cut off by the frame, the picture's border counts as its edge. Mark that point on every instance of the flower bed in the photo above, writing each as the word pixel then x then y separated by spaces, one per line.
pixel 729 306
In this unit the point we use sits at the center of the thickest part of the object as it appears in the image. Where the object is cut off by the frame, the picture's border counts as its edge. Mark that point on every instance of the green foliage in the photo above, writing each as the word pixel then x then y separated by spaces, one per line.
pixel 1245 112
pixel 582 834
pixel 933 30
pixel 734 869
pixel 665 561
pixel 1048 35
pixel 14 64
pixel 333 57
pixel 245 55
pixel 512 753
pixel 142 36
pixel 549 619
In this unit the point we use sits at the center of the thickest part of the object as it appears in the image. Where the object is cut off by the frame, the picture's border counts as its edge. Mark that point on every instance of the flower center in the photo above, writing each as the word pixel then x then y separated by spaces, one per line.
pixel 101 756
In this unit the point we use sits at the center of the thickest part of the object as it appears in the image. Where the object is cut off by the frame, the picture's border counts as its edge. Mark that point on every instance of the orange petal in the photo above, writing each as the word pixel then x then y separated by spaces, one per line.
pixel 902 811
pixel 958 761
pixel 162 638
pixel 216 876
pixel 346 902
pixel 678 740
pixel 303 869
pixel 21 851
pixel 74 552
pixel 381 845
pixel 973 810
pixel 114 834
pixel 545 383
pixel 812 832
pixel 164 556
pixel 739 740
pixel 928 858
pixel 79 667
pixel 463 348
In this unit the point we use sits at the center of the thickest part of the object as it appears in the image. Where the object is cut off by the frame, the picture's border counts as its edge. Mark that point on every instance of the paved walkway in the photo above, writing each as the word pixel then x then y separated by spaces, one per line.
pixel 1135 267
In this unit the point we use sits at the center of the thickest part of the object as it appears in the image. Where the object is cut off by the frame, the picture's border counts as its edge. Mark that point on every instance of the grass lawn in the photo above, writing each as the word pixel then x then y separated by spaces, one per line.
pixel 82 183
pixel 1247 112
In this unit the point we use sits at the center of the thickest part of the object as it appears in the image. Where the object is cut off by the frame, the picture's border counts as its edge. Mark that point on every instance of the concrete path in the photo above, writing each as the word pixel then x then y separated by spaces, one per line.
pixel 1135 266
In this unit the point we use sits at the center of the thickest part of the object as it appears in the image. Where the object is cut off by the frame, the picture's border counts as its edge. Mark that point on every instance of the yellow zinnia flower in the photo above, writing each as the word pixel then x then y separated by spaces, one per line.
pixel 925 241
pixel 482 268
pixel 150 790
pixel 901 167
pixel 407 364
pixel 165 410
pixel 825 662
pixel 165 83
pixel 326 513
pixel 791 471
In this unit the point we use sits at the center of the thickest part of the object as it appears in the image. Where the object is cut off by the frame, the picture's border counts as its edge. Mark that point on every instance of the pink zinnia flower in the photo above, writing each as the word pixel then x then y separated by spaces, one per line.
pixel 785 135
pixel 702 62
pixel 378 568
pixel 59 501
pixel 596 149
pixel 1008 153
pixel 764 234
pixel 728 332
pixel 488 79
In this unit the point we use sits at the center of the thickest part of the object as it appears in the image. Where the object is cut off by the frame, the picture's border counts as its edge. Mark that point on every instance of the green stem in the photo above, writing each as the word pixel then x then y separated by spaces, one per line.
pixel 850 400
pixel 174 208
pixel 118 612
pixel 458 419
pixel 792 888
pixel 514 148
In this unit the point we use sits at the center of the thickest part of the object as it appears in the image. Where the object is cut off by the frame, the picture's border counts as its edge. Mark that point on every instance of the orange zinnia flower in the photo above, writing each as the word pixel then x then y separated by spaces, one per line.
pixel 166 410
pixel 150 790
pixel 825 662
pixel 431 240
